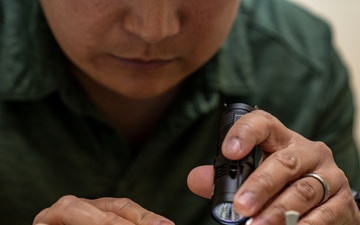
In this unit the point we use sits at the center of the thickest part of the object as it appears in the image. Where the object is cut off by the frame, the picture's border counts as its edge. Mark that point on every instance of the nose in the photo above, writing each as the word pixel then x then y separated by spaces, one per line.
pixel 152 20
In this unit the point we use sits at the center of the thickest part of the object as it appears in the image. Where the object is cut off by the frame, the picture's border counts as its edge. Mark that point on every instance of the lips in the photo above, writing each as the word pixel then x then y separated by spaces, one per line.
pixel 142 63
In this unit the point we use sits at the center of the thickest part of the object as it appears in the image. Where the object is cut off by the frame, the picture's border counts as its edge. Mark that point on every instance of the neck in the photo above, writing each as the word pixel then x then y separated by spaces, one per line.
pixel 136 119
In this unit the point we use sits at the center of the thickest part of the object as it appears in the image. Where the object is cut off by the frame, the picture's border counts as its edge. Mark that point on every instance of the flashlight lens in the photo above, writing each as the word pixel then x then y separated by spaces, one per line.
pixel 225 214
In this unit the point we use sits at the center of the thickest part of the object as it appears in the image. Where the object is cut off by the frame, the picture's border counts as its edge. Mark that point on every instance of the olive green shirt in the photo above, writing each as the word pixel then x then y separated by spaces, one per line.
pixel 54 141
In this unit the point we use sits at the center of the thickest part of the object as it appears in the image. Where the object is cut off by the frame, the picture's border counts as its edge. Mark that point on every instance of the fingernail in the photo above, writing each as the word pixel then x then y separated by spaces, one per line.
pixel 232 146
pixel 259 222
pixel 165 222
pixel 247 201
pixel 249 221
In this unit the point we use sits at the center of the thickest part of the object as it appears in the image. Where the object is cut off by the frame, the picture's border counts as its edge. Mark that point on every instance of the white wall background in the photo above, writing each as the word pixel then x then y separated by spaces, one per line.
pixel 344 16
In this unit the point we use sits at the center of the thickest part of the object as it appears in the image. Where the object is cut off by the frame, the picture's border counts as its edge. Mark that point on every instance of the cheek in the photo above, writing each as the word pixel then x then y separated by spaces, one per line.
pixel 210 25
pixel 215 15
pixel 77 25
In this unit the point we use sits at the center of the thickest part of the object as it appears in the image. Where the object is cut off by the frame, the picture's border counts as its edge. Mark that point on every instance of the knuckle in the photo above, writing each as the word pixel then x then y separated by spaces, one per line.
pixel 247 127
pixel 323 149
pixel 271 121
pixel 123 204
pixel 324 215
pixel 278 211
pixel 349 204
pixel 304 191
pixel 124 201
pixel 287 159
pixel 126 206
pixel 342 180
pixel 252 122
pixel 40 216
pixel 327 215
pixel 148 217
pixel 264 181
pixel 67 201
pixel 111 218
pixel 264 114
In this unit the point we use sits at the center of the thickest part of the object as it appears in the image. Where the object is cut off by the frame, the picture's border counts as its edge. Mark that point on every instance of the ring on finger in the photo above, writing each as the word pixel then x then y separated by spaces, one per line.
pixel 324 183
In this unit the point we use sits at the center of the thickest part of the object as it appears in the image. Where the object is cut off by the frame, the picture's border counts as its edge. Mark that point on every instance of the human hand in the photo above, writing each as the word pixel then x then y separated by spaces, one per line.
pixel 70 210
pixel 280 183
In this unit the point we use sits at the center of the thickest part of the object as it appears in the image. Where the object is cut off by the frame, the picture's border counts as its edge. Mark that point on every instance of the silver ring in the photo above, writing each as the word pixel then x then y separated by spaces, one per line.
pixel 324 183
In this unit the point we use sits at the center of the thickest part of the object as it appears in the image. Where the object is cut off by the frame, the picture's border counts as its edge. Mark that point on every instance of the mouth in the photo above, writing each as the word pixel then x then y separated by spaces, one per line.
pixel 143 63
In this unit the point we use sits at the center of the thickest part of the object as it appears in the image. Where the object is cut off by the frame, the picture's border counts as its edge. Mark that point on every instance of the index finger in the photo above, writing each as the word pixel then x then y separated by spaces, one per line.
pixel 70 210
pixel 256 128
pixel 129 210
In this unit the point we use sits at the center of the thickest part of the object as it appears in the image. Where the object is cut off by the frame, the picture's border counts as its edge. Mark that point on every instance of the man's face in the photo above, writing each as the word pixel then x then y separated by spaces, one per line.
pixel 139 48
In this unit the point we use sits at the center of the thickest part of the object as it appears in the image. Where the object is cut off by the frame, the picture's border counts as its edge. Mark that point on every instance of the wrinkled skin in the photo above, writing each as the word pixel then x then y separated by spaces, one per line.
pixel 70 210
pixel 275 187
pixel 278 185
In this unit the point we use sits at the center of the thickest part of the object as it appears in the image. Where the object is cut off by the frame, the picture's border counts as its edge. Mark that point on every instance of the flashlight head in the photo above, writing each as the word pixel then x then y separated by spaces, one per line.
pixel 229 176
pixel 224 213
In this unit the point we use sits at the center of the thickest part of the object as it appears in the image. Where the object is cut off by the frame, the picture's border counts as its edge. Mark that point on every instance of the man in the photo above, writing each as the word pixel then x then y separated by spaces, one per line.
pixel 125 101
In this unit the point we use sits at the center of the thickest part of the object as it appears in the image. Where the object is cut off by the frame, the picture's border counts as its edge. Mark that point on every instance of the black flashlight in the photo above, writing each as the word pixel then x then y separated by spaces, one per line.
pixel 230 174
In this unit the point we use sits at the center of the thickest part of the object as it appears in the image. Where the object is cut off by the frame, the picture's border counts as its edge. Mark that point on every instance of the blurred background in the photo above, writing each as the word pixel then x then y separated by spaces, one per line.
pixel 344 17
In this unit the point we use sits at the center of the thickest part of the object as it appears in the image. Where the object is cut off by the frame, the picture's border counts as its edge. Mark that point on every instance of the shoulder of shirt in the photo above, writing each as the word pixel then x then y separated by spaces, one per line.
pixel 31 63
pixel 303 34
pixel 268 29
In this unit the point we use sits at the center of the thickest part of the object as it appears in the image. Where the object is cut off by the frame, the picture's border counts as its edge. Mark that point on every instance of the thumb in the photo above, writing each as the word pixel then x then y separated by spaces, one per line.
pixel 200 181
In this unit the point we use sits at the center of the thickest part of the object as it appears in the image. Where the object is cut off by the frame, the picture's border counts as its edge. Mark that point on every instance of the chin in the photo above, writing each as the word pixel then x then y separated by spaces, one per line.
pixel 142 93
pixel 149 92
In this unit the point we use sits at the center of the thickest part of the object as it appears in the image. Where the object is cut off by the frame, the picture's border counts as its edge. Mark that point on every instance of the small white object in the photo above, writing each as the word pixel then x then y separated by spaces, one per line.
pixel 249 221
pixel 292 217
